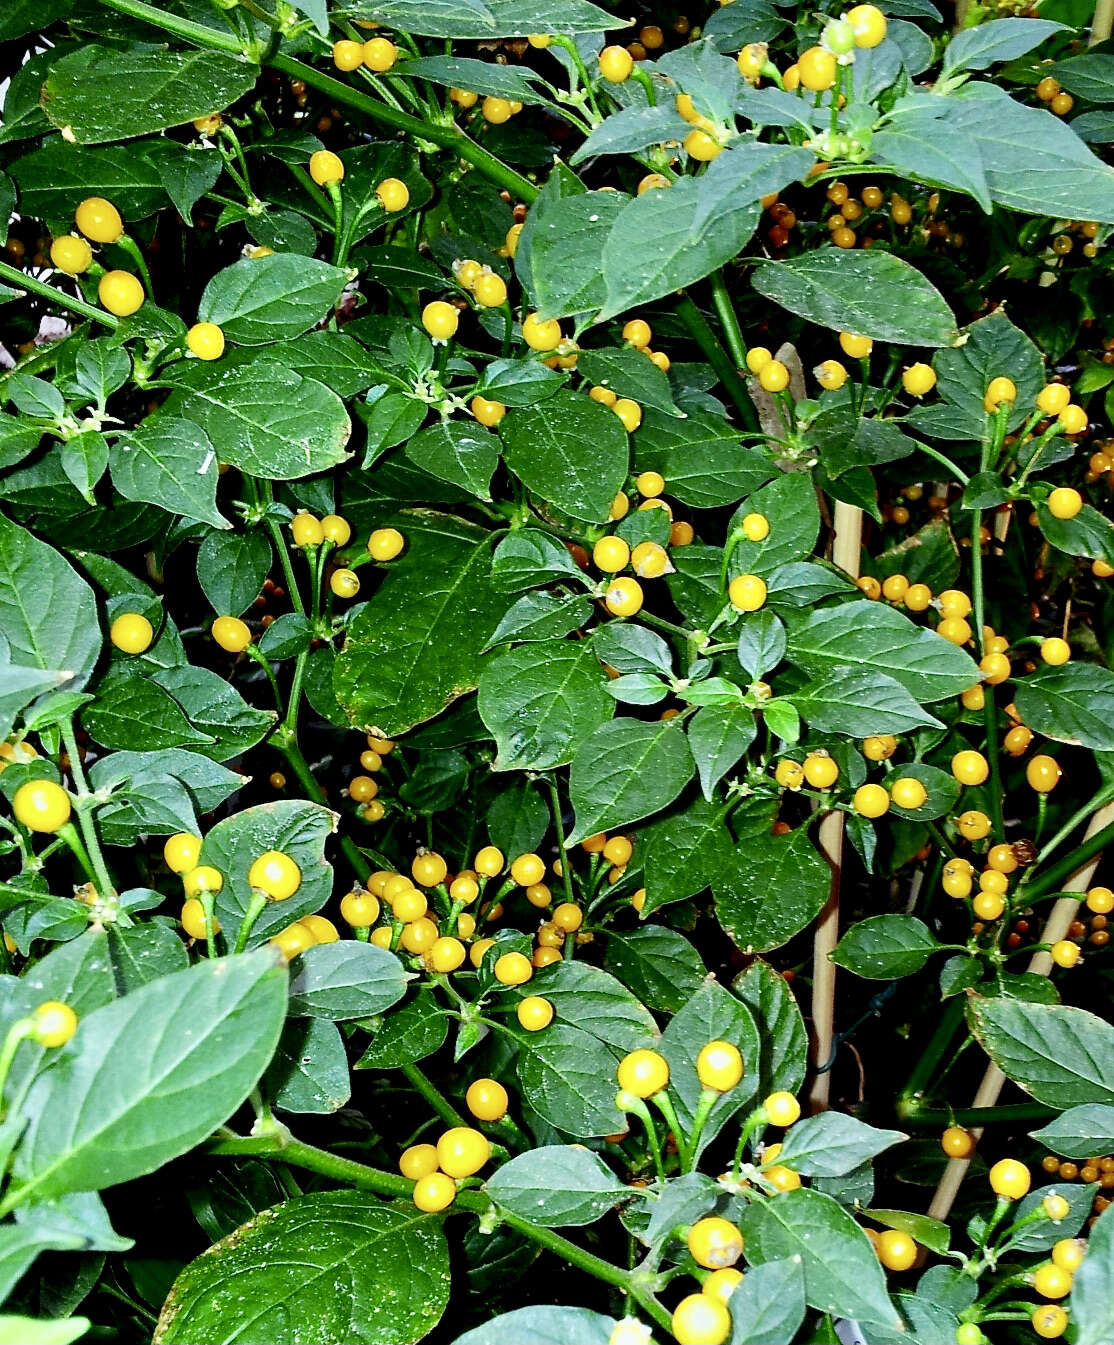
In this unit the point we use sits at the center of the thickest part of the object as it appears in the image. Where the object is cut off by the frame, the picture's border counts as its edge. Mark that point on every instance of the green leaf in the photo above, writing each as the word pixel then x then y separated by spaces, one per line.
pixel 143 953
pixel 568 1077
pixel 921 143
pixel 718 737
pixel 399 666
pixel 485 18
pixel 268 420
pixel 597 1003
pixel 624 771
pixel 884 947
pixel 833 1144
pixel 549 1325
pixel 1092 1293
pixel 1090 76
pixel 927 556
pixel 231 568
pixel 84 460
pixel 47 612
pixel 872 294
pixel 108 1110
pixel 97 94
pixel 964 373
pixel 789 865
pixel 1080 1132
pixel 700 457
pixel 1043 1235
pixel 293 826
pixel 998 40
pixel 865 634
pixel 842 1274
pixel 265 299
pixel 678 237
pixel 783 1042
pixel 415 1029
pixel 858 702
pixel 147 785
pixel 308 1073
pixel 187 173
pixel 54 180
pixel 345 979
pixel 631 129
pixel 559 259
pixel 685 852
pixel 1089 533
pixel 1034 162
pixel 352 1268
pixel 518 818
pixel 528 558
pixel 541 700
pixel 570 450
pixel 659 965
pixel 557 1186
pixel 1072 704
pixel 542 616
pixel 769 1306
pixel 170 462
pixel 519 382
pixel 458 452
pixel 484 77
pixel 25 1330
pixel 214 707
pixel 1059 1055
pixel 632 649
pixel 931 1233
pixel 789 502
pixel 137 713
pixel 629 373
pixel 711 1014
pixel 20 686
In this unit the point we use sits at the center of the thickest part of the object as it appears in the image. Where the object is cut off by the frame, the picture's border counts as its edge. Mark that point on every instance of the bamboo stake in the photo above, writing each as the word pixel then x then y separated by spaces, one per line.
pixel 1103 22
pixel 846 547
pixel 1055 928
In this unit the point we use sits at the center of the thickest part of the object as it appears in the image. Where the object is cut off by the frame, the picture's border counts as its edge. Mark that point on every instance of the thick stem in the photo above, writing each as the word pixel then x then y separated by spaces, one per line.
pixel 729 320
pixel 717 357
pixel 55 295
pixel 559 828
pixel 287 569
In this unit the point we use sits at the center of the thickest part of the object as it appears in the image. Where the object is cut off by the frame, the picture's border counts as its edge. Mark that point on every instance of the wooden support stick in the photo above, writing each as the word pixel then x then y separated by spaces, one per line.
pixel 1103 22
pixel 1055 928
pixel 846 548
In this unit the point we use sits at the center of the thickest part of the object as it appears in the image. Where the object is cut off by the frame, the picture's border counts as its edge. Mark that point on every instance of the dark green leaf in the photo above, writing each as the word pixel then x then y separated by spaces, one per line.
pixel 345 979
pixel 624 771
pixel 700 457
pixel 789 865
pixel 833 1144
pixel 309 1070
pixel 1080 1132
pixel 629 373
pixel 458 452
pixel 1092 1295
pixel 883 947
pixel 568 1077
pixel 352 1269
pixel 869 293
pixel 1072 704
pixel 557 1186
pixel 571 451
pixel 1057 1054
pixel 783 1043
pixel 659 965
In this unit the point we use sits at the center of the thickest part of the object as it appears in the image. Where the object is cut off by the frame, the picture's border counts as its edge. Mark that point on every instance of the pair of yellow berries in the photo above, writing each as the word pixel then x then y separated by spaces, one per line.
pixel 719 1067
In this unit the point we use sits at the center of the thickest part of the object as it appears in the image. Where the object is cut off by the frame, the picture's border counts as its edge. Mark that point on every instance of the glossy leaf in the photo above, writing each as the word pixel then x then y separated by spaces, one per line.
pixel 568 1077
pixel 109 1109
pixel 353 1268
pixel 624 771
pixel 557 1186
pixel 345 979
pixel 789 865
pixel 883 947
pixel 1057 1054
pixel 1080 1131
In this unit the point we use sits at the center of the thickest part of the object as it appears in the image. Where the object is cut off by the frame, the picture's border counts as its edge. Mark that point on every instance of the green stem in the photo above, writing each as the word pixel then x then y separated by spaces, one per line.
pixel 1054 877
pixel 559 828
pixel 664 1104
pixel 131 247
pixel 35 286
pixel 1015 1114
pixel 297 763
pixel 88 831
pixel 717 357
pixel 296 1154
pixel 287 569
pixel 251 915
pixel 69 834
pixel 729 320
pixel 1100 800
pixel 708 1099
pixel 18 1032
pixel 944 461
pixel 253 652
pixel 440 1104
pixel 933 1053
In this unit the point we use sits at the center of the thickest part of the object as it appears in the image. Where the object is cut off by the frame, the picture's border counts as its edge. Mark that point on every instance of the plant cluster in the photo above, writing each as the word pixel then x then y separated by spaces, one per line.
pixel 528 546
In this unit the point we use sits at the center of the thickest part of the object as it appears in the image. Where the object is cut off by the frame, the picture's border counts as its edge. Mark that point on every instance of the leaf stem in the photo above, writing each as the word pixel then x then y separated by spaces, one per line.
pixel 718 358
pixel 251 915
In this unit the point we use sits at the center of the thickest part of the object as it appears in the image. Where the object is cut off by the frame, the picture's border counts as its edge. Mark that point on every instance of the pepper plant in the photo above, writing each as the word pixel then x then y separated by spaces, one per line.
pixel 531 543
